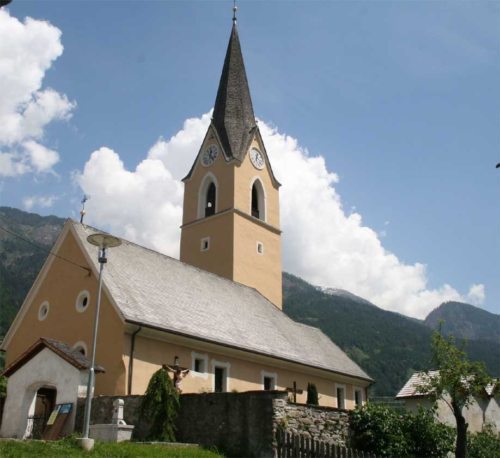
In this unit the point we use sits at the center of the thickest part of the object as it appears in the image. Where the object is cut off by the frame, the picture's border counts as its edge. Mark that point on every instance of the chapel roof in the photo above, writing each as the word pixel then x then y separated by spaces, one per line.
pixel 155 290
pixel 233 116
pixel 71 355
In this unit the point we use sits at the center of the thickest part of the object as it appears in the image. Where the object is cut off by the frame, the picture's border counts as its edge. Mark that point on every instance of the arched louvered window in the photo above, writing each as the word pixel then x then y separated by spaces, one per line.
pixel 210 199
pixel 207 196
pixel 258 202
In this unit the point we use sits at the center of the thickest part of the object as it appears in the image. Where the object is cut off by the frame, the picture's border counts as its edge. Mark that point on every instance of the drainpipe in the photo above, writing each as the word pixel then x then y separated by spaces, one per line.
pixel 131 360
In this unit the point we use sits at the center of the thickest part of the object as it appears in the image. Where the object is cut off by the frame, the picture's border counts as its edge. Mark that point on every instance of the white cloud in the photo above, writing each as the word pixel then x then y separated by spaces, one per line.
pixel 27 51
pixel 476 295
pixel 41 158
pixel 38 201
pixel 29 156
pixel 321 242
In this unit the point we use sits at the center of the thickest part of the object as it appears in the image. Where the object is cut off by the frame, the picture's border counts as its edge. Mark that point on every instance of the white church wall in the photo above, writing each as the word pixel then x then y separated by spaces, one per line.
pixel 46 369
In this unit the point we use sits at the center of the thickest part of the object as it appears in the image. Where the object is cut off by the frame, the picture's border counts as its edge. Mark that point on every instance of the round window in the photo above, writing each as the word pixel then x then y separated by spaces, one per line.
pixel 43 311
pixel 82 301
pixel 81 348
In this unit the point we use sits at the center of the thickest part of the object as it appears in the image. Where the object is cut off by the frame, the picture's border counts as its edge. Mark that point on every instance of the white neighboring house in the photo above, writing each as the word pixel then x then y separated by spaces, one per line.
pixel 484 410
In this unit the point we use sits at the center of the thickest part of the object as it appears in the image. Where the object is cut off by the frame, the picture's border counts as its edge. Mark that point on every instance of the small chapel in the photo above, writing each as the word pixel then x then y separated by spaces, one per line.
pixel 217 311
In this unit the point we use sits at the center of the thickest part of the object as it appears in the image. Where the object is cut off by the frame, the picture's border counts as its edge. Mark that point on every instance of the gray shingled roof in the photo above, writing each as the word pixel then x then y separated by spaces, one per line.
pixel 71 355
pixel 411 387
pixel 233 116
pixel 162 292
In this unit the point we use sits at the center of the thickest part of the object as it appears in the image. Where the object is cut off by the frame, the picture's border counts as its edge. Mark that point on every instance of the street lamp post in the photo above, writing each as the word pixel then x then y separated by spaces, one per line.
pixel 102 241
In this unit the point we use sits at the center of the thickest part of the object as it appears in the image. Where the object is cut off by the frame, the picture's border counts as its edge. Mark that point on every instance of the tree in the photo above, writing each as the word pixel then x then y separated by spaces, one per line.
pixel 312 394
pixel 456 381
pixel 159 406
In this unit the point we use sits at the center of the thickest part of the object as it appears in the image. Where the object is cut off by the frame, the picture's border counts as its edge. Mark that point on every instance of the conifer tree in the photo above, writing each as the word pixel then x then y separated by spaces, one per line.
pixel 159 407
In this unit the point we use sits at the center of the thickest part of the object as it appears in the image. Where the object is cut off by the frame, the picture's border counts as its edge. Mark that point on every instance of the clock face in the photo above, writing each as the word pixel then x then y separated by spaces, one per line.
pixel 257 158
pixel 209 156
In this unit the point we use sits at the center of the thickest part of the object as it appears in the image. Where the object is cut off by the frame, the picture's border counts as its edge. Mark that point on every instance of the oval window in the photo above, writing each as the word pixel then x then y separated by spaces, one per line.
pixel 82 301
pixel 43 311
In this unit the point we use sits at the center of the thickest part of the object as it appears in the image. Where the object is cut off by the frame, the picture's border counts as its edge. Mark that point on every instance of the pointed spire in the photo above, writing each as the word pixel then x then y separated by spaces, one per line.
pixel 233 116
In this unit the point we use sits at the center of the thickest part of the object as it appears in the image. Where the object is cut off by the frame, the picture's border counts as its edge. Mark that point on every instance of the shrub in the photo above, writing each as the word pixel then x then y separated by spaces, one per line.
pixel 378 429
pixel 159 407
pixel 3 386
pixel 312 394
pixel 381 430
pixel 426 436
pixel 485 444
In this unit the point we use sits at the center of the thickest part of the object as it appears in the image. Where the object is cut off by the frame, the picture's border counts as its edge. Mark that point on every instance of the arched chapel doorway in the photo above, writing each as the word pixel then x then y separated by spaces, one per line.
pixel 41 408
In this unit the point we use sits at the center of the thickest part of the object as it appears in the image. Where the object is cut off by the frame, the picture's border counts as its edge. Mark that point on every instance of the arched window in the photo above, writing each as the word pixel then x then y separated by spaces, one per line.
pixel 258 201
pixel 207 196
pixel 210 200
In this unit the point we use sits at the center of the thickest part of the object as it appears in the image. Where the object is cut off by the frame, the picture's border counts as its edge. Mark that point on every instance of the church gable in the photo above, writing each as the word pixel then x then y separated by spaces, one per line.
pixel 61 305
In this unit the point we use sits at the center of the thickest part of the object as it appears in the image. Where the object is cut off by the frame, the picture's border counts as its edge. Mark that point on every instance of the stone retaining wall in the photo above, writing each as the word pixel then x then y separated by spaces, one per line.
pixel 239 424
pixel 320 423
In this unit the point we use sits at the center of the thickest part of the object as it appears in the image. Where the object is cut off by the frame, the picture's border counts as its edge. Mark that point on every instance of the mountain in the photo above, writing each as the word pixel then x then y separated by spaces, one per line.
pixel 20 261
pixel 465 321
pixel 387 345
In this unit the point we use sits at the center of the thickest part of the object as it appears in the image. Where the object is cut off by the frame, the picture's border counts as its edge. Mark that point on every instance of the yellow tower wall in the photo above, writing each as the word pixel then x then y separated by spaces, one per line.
pixel 233 232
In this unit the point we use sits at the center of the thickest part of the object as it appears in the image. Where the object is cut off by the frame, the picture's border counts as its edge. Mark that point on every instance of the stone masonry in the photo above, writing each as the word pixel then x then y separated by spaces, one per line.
pixel 321 423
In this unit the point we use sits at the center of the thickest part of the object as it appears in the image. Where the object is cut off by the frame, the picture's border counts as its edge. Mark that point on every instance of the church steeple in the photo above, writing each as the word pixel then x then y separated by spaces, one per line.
pixel 233 116
pixel 231 222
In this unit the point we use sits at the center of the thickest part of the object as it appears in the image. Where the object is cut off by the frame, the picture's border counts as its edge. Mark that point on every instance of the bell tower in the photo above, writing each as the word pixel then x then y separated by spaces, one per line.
pixel 231 222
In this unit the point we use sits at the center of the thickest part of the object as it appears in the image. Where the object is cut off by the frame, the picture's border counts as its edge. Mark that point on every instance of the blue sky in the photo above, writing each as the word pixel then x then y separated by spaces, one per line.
pixel 401 99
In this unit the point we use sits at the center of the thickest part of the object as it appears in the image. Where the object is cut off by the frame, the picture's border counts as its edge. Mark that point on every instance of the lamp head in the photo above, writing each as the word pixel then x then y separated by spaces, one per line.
pixel 103 241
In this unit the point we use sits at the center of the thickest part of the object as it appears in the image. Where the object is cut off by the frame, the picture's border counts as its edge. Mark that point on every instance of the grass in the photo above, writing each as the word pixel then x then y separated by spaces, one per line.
pixel 69 448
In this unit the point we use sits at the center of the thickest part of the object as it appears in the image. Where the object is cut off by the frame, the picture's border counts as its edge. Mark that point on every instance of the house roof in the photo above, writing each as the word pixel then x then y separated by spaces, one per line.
pixel 233 116
pixel 72 356
pixel 411 387
pixel 155 290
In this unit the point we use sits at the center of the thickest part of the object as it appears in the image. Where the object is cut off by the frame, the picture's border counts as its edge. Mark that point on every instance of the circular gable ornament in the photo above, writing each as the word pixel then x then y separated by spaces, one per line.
pixel 43 311
pixel 257 158
pixel 82 301
pixel 209 156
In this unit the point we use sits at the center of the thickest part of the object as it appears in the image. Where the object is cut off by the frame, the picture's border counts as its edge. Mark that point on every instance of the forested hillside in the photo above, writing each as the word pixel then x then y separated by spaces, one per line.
pixel 20 261
pixel 389 346
pixel 465 321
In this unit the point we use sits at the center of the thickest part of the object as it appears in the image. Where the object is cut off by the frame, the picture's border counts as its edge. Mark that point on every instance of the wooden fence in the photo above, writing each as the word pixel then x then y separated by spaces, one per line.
pixel 290 445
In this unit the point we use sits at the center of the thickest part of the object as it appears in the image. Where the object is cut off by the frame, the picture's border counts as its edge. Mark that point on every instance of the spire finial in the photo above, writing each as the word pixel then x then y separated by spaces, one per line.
pixel 235 8
pixel 82 211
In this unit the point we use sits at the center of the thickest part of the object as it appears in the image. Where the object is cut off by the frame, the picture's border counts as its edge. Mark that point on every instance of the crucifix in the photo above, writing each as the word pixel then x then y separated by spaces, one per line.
pixel 295 391
pixel 178 373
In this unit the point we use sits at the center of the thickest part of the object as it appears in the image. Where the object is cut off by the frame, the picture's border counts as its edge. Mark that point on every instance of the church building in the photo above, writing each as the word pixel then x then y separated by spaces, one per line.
pixel 218 310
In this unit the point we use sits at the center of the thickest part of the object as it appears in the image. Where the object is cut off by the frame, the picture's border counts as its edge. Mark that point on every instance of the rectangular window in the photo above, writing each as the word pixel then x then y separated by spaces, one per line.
pixel 268 383
pixel 358 397
pixel 260 248
pixel 205 244
pixel 220 381
pixel 199 365
pixel 340 397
